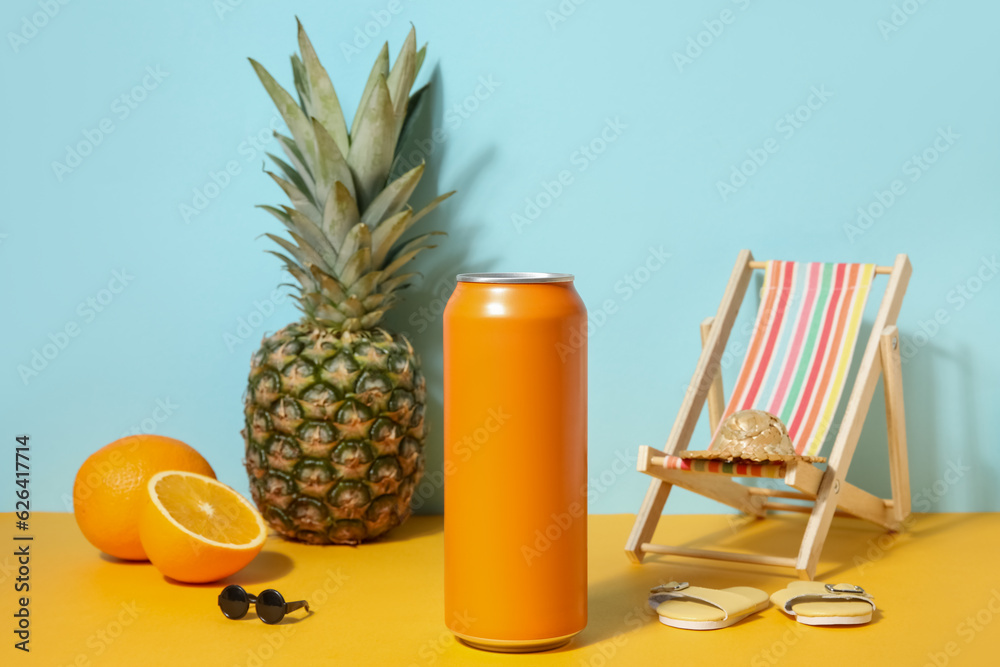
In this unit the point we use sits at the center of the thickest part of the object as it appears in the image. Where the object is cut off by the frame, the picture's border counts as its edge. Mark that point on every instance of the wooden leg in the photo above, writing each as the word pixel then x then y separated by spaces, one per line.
pixel 646 520
pixel 892 381
pixel 716 398
pixel 817 527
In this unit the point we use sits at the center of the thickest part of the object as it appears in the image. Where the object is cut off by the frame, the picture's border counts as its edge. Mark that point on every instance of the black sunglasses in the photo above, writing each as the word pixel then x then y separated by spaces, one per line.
pixel 271 606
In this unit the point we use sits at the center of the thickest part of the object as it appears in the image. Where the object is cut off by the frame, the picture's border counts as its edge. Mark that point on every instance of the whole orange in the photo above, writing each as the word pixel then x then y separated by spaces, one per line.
pixel 110 489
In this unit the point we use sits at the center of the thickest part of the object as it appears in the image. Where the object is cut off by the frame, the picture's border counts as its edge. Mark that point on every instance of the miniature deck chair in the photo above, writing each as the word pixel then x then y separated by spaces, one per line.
pixel 796 367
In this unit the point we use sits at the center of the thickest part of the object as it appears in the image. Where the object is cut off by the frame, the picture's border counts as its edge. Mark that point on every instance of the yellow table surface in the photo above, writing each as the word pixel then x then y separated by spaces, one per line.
pixel 937 587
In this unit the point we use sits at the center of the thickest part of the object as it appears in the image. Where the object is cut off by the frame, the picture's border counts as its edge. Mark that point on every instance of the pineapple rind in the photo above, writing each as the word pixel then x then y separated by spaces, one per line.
pixel 334 432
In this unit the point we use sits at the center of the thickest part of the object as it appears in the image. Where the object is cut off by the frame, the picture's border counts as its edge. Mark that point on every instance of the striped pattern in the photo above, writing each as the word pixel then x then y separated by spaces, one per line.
pixel 800 352
pixel 769 470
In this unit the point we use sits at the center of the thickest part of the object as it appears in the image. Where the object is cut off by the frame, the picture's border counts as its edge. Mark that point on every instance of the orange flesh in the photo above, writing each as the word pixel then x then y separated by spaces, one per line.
pixel 207 509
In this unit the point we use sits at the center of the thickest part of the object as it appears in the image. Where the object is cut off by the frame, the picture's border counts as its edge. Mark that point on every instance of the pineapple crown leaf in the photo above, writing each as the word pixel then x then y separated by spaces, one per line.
pixel 292 113
pixel 403 281
pixel 295 156
pixel 394 197
pixel 300 200
pixel 400 80
pixel 386 234
pixel 416 105
pixel 379 68
pixel 349 206
pixel 340 214
pixel 374 144
pixel 311 232
pixel 322 103
pixel 290 174
pixel 332 289
pixel 332 166
pixel 432 205
pixel 420 59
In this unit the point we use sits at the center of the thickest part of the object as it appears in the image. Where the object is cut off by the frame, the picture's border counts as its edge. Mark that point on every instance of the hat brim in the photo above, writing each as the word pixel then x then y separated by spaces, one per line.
pixel 770 458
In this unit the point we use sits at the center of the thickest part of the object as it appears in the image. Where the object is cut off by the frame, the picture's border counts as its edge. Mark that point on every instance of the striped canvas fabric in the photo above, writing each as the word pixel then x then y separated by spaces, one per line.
pixel 769 470
pixel 798 355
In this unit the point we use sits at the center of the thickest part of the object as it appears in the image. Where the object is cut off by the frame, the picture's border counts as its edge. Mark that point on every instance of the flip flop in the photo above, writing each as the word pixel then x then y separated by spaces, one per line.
pixel 695 608
pixel 816 603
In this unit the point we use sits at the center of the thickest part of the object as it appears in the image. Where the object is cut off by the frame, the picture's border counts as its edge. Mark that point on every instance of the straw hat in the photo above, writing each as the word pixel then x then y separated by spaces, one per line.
pixel 752 436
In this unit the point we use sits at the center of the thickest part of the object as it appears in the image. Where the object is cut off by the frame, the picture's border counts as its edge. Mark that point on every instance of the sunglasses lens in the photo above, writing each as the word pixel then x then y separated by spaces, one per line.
pixel 270 606
pixel 234 602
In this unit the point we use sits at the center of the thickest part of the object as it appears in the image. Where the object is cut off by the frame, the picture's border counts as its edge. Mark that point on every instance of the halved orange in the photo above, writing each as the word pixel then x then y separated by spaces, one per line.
pixel 196 529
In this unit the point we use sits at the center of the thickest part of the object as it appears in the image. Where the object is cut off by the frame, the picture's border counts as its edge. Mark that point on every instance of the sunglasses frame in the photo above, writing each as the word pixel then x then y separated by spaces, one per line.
pixel 276 603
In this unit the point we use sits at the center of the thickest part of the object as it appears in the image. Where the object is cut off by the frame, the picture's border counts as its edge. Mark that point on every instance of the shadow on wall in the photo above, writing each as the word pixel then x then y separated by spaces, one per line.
pixel 933 477
pixel 418 316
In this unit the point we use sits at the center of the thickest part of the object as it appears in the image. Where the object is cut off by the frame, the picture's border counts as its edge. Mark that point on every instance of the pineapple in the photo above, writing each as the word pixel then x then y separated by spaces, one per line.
pixel 335 404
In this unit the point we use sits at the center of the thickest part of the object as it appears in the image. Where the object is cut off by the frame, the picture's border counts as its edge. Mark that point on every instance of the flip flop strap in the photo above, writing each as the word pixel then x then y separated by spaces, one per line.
pixel 820 597
pixel 673 592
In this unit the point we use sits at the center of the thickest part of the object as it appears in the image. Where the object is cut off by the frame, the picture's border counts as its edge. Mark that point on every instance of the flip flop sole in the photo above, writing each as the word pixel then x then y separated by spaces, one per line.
pixel 833 620
pixel 701 625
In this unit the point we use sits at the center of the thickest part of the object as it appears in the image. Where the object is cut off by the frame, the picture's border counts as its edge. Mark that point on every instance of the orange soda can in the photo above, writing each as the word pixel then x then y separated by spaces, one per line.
pixel 515 461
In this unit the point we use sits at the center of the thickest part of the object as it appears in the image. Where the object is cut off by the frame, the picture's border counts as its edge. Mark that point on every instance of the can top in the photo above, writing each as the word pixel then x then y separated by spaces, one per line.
pixel 508 278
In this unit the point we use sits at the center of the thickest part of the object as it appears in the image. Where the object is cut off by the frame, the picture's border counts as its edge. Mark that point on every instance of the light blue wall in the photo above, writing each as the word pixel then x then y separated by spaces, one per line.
pixel 672 131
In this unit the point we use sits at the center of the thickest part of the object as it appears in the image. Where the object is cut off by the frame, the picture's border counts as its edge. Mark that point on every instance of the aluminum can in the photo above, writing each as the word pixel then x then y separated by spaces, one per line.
pixel 515 461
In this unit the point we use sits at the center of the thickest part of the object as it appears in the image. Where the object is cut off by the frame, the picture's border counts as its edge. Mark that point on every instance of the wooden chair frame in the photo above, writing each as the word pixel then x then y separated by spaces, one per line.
pixel 827 489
